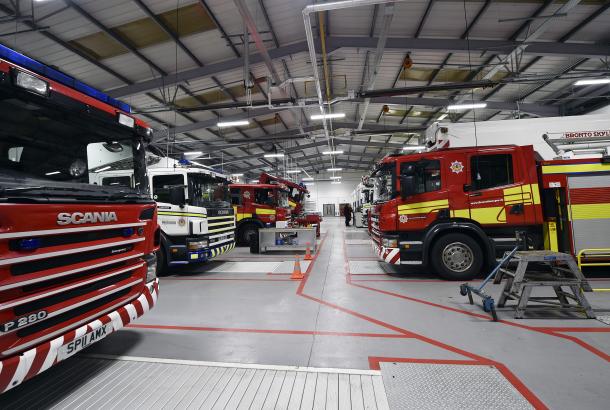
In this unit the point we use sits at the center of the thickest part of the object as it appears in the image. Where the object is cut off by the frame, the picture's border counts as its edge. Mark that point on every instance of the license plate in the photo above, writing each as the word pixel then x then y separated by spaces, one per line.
pixel 87 339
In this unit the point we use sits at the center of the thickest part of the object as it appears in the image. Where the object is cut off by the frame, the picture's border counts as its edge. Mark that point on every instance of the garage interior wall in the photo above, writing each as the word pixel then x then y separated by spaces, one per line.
pixel 324 192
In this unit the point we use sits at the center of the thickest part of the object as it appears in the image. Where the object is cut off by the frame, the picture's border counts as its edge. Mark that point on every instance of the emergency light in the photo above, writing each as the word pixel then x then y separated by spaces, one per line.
pixel 31 83
pixel 48 72
pixel 30 244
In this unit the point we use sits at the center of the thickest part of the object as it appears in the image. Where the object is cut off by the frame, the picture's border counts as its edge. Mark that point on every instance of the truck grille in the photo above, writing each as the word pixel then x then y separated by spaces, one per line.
pixel 65 280
pixel 221 229
pixel 374 228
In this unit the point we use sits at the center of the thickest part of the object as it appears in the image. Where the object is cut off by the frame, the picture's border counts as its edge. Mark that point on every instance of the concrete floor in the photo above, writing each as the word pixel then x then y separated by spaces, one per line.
pixel 354 312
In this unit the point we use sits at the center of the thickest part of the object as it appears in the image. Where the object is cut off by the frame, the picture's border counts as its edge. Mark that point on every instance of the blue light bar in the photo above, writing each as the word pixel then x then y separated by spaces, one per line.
pixel 30 244
pixel 128 231
pixel 46 71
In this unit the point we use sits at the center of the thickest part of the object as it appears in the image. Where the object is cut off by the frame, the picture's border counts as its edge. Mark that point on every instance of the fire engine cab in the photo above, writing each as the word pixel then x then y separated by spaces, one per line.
pixel 296 200
pixel 457 209
pixel 257 206
pixel 77 259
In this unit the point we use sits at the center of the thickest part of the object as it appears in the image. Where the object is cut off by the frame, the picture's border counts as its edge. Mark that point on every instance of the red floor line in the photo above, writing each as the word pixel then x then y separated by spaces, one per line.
pixel 369 274
pixel 235 279
pixel 267 331
pixel 528 394
pixel 576 340
pixel 580 342
pixel 374 363
pixel 395 280
pixel 575 329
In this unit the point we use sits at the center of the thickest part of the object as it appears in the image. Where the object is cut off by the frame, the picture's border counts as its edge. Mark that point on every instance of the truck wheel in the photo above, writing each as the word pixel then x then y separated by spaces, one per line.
pixel 161 262
pixel 245 232
pixel 457 257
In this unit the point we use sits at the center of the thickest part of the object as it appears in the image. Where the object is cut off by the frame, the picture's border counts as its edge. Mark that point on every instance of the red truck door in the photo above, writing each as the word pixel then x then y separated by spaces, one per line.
pixel 431 196
pixel 495 190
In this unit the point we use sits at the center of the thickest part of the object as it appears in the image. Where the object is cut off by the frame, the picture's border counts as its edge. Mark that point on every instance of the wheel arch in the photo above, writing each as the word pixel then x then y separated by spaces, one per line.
pixel 247 221
pixel 468 228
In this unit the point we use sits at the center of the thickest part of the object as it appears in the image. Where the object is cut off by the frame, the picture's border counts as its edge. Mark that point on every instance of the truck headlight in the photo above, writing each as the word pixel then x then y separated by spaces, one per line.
pixel 193 246
pixel 390 242
pixel 151 266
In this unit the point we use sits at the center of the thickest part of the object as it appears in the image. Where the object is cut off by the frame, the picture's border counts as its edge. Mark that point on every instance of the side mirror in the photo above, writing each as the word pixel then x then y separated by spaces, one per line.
pixel 407 185
pixel 176 196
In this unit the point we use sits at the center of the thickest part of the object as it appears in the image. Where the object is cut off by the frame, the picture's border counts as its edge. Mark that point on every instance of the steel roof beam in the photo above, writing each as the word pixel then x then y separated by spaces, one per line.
pixel 335 42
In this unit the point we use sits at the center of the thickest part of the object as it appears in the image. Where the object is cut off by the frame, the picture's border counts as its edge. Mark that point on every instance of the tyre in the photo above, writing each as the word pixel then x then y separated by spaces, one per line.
pixel 457 256
pixel 244 234
pixel 161 262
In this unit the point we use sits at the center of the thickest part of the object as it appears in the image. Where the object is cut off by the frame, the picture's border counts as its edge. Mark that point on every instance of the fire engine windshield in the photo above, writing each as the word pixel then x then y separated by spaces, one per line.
pixel 208 191
pixel 383 183
pixel 50 151
pixel 282 199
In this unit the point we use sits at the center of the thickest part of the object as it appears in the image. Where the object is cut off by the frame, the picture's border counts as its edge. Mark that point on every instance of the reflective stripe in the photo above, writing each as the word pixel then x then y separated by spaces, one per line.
pixel 428 204
pixel 172 213
pixel 262 211
pixel 574 168
pixel 590 211
pixel 490 215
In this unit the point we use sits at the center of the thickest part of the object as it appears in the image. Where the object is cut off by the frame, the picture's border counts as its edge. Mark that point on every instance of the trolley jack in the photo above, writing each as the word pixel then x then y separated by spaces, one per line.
pixel 488 301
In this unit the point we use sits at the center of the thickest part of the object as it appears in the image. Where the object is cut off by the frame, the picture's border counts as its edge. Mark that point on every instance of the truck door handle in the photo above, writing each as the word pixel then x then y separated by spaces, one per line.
pixel 475 194
pixel 516 209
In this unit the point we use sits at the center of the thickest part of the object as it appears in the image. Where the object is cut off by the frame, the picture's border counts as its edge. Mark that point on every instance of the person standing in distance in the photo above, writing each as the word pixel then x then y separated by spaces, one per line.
pixel 347 213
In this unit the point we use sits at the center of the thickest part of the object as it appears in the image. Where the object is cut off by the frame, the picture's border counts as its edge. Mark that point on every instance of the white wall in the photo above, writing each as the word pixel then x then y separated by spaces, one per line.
pixel 604 110
pixel 323 192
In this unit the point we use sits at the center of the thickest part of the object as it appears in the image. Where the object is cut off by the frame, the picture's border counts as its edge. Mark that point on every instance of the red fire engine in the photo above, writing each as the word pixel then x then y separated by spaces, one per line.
pixel 296 198
pixel 457 209
pixel 258 206
pixel 77 260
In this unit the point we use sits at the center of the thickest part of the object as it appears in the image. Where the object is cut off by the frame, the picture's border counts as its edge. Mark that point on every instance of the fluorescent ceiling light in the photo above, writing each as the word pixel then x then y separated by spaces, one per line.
pixel 335 177
pixel 293 171
pixel 274 155
pixel 237 175
pixel 336 182
pixel 466 106
pixel 413 148
pixel 307 179
pixel 193 153
pixel 332 152
pixel 309 183
pixel 442 117
pixel 327 116
pixel 107 167
pixel 53 173
pixel 334 169
pixel 593 81
pixel 232 123
pixel 254 181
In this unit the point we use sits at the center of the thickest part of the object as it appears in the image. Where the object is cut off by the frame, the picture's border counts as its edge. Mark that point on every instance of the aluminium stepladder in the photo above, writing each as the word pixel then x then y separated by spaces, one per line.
pixel 544 269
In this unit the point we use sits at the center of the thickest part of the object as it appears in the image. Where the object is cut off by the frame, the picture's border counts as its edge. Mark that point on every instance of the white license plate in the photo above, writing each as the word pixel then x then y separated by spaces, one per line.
pixel 85 340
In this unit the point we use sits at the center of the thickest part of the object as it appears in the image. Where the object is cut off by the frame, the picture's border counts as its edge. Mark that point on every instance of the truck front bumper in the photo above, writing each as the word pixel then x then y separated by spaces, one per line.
pixel 389 255
pixel 20 367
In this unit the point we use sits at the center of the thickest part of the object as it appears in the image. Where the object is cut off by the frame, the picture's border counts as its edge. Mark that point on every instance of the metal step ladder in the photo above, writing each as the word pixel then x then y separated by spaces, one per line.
pixel 529 269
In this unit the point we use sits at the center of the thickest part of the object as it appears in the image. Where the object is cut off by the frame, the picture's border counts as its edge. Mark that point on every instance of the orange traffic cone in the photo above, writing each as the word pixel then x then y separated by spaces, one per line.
pixel 308 256
pixel 296 272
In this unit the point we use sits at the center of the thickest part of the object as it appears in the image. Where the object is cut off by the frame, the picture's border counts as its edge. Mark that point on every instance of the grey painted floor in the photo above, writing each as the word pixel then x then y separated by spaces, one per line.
pixel 352 312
